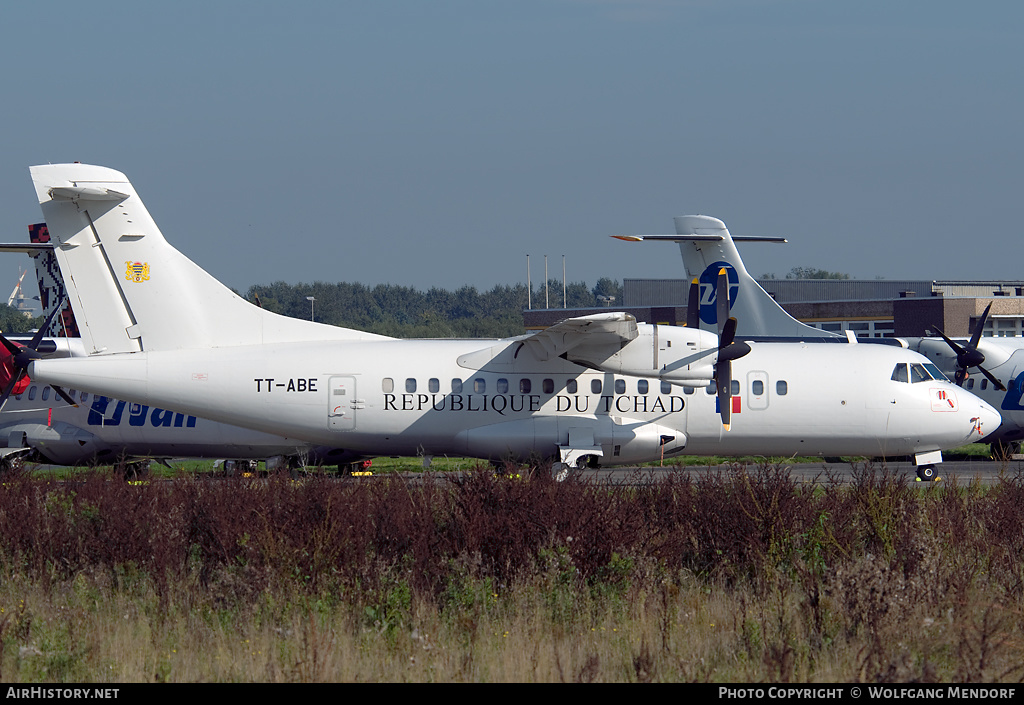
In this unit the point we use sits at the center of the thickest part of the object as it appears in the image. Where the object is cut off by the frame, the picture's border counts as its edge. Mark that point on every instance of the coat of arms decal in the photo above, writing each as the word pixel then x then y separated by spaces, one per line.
pixel 137 271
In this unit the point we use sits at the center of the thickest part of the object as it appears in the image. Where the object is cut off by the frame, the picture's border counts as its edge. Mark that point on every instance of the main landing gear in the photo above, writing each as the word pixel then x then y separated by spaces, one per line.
pixel 560 470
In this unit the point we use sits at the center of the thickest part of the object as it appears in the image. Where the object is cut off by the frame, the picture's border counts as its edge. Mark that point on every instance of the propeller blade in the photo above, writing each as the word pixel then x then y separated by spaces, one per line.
pixel 723 378
pixel 951 343
pixel 64 395
pixel 15 378
pixel 979 328
pixel 722 299
pixel 46 324
pixel 727 335
pixel 991 378
pixel 693 305
pixel 11 347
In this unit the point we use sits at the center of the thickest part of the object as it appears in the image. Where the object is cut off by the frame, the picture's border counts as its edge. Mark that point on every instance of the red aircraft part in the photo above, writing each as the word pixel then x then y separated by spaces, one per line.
pixel 7 371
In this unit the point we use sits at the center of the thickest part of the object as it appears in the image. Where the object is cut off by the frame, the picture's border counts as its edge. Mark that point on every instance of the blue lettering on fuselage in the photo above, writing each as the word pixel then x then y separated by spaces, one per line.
pixel 137 415
pixel 1014 391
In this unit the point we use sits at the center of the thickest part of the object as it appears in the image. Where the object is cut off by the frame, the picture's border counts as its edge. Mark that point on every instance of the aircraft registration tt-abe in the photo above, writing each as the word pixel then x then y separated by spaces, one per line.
pixel 601 389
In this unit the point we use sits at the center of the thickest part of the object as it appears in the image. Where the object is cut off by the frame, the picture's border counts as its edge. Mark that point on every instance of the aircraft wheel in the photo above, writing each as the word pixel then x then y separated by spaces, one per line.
pixel 1004 450
pixel 135 470
pixel 926 473
pixel 584 461
pixel 560 471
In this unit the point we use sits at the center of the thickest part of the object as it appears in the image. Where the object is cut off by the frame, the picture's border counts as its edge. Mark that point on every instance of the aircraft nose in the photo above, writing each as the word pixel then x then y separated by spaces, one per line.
pixel 988 419
pixel 984 419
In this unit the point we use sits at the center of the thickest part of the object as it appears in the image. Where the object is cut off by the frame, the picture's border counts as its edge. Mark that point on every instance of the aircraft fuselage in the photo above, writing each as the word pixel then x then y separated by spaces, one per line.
pixel 492 399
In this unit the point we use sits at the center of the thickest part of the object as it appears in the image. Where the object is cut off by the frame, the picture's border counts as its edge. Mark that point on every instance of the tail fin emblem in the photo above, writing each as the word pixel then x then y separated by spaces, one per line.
pixel 137 271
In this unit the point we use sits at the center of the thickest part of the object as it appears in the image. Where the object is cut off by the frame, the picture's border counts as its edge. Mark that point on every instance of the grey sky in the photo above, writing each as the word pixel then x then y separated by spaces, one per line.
pixel 438 143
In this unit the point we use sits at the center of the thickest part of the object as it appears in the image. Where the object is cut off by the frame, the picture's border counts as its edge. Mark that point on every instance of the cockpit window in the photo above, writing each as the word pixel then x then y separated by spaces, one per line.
pixel 918 372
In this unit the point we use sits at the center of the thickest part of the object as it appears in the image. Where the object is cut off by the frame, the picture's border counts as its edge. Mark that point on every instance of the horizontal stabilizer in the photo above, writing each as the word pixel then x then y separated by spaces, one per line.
pixel 698 238
pixel 85 193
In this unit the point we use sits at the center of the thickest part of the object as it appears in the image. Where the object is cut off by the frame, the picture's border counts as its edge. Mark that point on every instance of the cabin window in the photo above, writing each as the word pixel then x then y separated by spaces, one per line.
pixel 32 392
pixel 456 386
pixel 620 386
pixel 525 386
pixel 689 390
pixel 85 397
pixel 984 384
pixel 502 386
pixel 434 385
pixel 712 389
pixel 781 387
pixel 734 388
pixel 570 386
pixel 970 384
pixel 595 386
pixel 410 385
pixel 641 386
pixel 666 387
pixel 757 387
pixel 479 386
pixel 387 385
pixel 548 386
pixel 46 393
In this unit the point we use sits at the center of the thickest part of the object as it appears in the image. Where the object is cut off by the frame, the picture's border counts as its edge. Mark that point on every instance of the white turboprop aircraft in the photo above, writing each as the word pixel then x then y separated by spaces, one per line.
pixel 707 247
pixel 82 429
pixel 600 389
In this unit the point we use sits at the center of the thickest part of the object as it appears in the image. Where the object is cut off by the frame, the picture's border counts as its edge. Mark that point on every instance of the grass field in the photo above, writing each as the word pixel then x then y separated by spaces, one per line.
pixel 174 468
pixel 736 575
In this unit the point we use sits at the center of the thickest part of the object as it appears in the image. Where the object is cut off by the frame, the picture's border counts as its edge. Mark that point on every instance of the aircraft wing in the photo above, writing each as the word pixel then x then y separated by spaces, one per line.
pixel 613 329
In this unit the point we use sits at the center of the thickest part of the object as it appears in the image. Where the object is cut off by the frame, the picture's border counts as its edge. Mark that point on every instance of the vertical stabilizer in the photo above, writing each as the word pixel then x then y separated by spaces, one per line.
pixel 130 289
pixel 52 292
pixel 707 248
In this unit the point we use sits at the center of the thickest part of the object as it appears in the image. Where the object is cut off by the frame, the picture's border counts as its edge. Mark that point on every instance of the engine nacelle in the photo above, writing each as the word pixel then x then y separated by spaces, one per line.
pixel 677 354
pixel 614 440
pixel 62 443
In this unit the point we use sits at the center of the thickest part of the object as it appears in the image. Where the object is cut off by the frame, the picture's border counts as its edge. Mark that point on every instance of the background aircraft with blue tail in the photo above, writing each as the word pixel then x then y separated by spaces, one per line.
pixel 992 368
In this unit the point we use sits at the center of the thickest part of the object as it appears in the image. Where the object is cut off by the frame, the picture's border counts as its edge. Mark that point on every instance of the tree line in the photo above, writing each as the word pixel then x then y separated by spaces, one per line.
pixel 406 312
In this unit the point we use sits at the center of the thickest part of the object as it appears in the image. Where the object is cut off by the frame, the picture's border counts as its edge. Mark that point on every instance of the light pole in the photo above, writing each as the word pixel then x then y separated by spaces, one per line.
pixel 311 299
